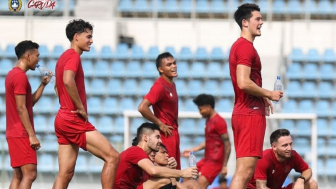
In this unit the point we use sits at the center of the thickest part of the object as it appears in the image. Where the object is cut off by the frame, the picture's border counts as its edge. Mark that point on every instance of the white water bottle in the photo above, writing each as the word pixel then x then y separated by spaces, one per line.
pixel 45 72
pixel 277 86
pixel 192 160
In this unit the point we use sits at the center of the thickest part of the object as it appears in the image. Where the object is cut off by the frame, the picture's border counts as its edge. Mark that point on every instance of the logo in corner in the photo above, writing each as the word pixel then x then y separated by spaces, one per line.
pixel 14 5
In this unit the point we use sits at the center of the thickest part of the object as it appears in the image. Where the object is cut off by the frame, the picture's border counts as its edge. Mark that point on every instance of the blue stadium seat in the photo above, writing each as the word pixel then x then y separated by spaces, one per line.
pixel 197 70
pixel 153 52
pixel 226 88
pixel 211 87
pixel 332 129
pixel 105 124
pixel 40 124
pixel 141 6
pixel 217 53
pixel 92 54
pixel 202 6
pixel 102 69
pixel 297 54
pixel 301 145
pixel 51 64
pixel 88 68
pixel 110 106
pixel 185 53
pixel 331 148
pixel 303 128
pixel 133 69
pixel 6 65
pixel 145 86
pixel 214 70
pixel 81 164
pixel 127 104
pixel 201 54
pixel 329 55
pixel 330 167
pixel 309 89
pixel 2 81
pixel 171 50
pixel 44 105
pixel 98 87
pixel 46 163
pixel 34 83
pixel 218 7
pixel 294 89
pixel 125 6
pixel 118 69
pixel 190 106
pixel 49 143
pixel 327 72
pixel 290 106
pixel 149 70
pixel 137 52
pixel 119 125
pixel 232 6
pixel 311 6
pixel 226 73
pixel 295 7
pixel 310 71
pixel 171 6
pixel 95 165
pixel 43 50
pixel 130 87
pixel 187 126
pixel 135 123
pixel 322 128
pixel 322 146
pixel 263 4
pixel 87 85
pixel 289 125
pixel 2 104
pixel 324 7
pixel 294 71
pixel 93 120
pixel 195 87
pixel 224 105
pixel 333 106
pixel 183 69
pixel 94 105
pixel 57 51
pixel 181 87
pixel 122 51
pixel 325 90
pixel 10 51
pixel 313 56
pixel 306 106
pixel 106 52
pixel 186 6
pixel 56 105
pixel 279 7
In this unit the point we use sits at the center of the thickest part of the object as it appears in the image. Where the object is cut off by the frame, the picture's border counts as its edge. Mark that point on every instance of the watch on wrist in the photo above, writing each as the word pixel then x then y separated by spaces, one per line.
pixel 301 177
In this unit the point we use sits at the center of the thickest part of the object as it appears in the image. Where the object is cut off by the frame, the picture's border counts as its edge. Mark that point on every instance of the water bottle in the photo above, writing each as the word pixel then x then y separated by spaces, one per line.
pixel 192 160
pixel 277 86
pixel 45 72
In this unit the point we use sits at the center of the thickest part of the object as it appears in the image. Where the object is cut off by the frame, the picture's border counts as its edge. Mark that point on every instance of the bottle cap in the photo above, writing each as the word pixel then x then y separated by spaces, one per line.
pixel 191 153
pixel 37 65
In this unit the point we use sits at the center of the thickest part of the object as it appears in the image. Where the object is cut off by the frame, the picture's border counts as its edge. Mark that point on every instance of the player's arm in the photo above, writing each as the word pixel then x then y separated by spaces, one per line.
pixel 38 93
pixel 24 117
pixel 158 171
pixel 261 184
pixel 305 177
pixel 71 88
pixel 227 152
pixel 247 85
pixel 143 108
pixel 199 147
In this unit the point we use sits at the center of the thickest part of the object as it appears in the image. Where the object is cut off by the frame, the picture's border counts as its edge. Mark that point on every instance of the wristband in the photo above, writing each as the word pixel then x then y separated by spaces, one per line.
pixel 301 177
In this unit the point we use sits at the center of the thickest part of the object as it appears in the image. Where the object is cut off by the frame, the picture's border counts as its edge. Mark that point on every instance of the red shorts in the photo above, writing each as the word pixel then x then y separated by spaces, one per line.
pixel 173 146
pixel 72 131
pixel 209 170
pixel 248 133
pixel 20 152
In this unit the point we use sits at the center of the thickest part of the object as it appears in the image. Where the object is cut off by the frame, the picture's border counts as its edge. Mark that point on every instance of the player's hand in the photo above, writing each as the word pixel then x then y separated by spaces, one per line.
pixel 81 112
pixel 223 172
pixel 299 184
pixel 268 106
pixel 46 79
pixel 190 172
pixel 186 153
pixel 34 142
pixel 166 129
pixel 276 95
pixel 172 163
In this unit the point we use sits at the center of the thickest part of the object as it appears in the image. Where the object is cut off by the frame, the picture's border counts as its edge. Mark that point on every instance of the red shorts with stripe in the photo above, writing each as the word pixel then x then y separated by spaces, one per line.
pixel 209 170
pixel 72 131
pixel 248 133
pixel 20 152
pixel 173 146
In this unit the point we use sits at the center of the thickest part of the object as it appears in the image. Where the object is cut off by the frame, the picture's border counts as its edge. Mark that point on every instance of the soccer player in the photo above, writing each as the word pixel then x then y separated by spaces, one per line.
pixel 135 164
pixel 20 133
pixel 217 144
pixel 163 97
pixel 252 102
pixel 72 127
pixel 276 163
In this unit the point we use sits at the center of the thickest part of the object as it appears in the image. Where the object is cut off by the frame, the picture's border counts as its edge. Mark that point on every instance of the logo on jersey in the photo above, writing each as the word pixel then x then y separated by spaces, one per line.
pixel 14 5
pixel 171 95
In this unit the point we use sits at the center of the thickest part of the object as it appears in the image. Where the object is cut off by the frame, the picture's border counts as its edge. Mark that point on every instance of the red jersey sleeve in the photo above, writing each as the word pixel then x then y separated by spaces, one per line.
pixel 20 84
pixel 137 155
pixel 299 164
pixel 155 94
pixel 260 172
pixel 72 63
pixel 244 54
pixel 221 127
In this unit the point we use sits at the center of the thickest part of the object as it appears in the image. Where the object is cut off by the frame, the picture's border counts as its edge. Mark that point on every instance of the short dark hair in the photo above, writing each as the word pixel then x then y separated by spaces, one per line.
pixel 277 134
pixel 163 146
pixel 205 99
pixel 160 57
pixel 25 46
pixel 76 26
pixel 244 11
pixel 143 129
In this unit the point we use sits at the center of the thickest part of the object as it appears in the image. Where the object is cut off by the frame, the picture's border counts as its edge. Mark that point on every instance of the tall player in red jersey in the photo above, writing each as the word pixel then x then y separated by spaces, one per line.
pixel 163 97
pixel 276 163
pixel 72 126
pixel 251 100
pixel 217 144
pixel 20 133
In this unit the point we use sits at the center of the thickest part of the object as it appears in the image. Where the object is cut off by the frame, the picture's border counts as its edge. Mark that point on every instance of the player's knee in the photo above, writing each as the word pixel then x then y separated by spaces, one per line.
pixel 312 184
pixel 31 176
pixel 113 158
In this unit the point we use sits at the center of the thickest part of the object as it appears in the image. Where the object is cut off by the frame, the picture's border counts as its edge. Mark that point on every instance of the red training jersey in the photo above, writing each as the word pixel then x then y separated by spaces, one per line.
pixel 164 99
pixel 129 175
pixel 69 60
pixel 275 172
pixel 214 145
pixel 243 52
pixel 17 84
